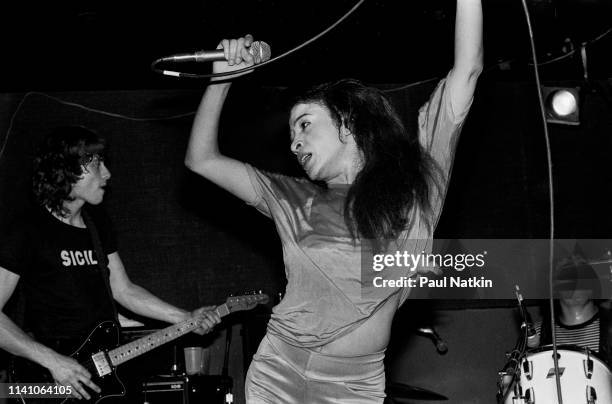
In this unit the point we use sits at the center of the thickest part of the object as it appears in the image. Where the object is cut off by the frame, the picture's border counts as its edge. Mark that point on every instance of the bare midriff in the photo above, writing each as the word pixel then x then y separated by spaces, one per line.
pixel 370 337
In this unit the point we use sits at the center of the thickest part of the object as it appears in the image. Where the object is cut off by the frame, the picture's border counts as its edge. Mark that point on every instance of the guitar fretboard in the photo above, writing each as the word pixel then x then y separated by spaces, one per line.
pixel 145 344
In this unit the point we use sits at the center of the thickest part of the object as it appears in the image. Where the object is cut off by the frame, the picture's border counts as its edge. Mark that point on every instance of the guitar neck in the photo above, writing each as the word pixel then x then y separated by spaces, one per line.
pixel 142 345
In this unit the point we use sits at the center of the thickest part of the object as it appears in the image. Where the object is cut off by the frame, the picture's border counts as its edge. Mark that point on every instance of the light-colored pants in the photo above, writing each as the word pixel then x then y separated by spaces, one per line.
pixel 281 373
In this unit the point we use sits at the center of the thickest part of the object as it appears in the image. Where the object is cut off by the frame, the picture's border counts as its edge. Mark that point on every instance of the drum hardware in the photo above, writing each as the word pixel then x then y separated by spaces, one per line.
pixel 527 366
pixel 591 395
pixel 607 260
pixel 529 396
pixel 586 378
pixel 398 392
pixel 518 390
pixel 588 366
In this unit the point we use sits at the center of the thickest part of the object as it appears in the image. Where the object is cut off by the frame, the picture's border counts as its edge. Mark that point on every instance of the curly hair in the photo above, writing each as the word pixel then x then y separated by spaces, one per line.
pixel 60 162
pixel 397 173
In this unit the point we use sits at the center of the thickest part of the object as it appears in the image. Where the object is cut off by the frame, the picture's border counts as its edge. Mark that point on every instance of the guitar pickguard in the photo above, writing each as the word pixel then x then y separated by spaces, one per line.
pixel 92 355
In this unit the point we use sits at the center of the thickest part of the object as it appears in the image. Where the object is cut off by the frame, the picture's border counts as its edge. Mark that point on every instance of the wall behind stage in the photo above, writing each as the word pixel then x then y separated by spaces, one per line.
pixel 191 243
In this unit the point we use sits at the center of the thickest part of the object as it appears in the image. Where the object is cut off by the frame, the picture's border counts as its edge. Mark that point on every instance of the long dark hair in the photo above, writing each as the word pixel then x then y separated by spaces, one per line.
pixel 397 173
pixel 60 163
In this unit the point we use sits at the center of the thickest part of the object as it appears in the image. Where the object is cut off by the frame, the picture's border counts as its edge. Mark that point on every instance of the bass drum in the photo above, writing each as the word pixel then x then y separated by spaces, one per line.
pixel 584 378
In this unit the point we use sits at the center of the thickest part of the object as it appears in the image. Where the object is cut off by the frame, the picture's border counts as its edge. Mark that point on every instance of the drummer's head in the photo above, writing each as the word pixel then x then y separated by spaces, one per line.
pixel 576 281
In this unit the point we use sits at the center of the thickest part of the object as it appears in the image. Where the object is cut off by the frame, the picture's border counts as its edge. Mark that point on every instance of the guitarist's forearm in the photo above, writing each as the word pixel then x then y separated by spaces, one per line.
pixel 14 340
pixel 144 303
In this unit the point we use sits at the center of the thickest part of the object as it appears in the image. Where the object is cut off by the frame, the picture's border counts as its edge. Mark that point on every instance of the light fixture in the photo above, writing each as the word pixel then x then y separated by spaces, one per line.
pixel 562 105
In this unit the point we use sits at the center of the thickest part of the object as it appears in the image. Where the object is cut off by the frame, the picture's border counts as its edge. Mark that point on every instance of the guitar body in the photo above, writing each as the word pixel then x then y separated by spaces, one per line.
pixel 103 338
pixel 100 353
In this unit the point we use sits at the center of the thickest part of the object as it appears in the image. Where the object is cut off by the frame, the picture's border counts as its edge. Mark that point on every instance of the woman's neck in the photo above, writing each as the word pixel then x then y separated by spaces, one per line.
pixel 354 164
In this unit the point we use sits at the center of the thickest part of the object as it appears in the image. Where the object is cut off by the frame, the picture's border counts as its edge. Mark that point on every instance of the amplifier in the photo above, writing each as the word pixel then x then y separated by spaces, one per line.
pixel 165 390
pixel 197 389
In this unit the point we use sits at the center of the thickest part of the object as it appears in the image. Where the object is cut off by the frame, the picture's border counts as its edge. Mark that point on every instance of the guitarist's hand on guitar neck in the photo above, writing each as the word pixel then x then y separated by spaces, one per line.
pixel 208 317
pixel 68 372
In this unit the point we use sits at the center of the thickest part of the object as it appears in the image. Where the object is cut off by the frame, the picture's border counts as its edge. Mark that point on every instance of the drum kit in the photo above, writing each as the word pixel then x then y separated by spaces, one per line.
pixel 583 376
pixel 533 376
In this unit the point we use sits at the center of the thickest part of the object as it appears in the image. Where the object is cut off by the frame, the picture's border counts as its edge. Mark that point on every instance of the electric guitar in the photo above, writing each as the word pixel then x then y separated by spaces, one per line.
pixel 100 352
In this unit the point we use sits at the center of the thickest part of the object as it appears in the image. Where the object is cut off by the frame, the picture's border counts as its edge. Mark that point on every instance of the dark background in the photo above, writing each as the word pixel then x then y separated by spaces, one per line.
pixel 109 44
pixel 191 243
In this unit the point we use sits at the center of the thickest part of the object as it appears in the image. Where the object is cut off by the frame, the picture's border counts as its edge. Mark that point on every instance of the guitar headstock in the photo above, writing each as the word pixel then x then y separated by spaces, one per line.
pixel 246 302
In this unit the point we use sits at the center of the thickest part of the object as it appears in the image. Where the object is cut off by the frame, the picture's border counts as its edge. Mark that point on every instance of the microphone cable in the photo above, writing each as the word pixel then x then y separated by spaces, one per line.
pixel 573 51
pixel 30 94
pixel 174 73
pixel 551 199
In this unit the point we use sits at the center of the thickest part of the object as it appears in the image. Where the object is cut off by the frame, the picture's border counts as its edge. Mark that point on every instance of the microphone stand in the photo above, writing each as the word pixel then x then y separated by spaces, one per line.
pixel 229 398
pixel 174 370
pixel 512 367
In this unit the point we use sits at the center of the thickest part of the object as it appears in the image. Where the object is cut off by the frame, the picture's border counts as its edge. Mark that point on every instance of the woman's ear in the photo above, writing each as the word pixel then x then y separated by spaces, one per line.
pixel 345 132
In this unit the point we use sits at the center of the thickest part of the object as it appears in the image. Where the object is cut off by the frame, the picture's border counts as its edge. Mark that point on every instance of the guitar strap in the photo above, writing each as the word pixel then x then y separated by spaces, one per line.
pixel 102 260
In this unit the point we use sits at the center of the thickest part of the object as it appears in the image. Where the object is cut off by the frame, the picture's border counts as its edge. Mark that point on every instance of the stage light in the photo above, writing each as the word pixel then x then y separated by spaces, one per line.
pixel 562 105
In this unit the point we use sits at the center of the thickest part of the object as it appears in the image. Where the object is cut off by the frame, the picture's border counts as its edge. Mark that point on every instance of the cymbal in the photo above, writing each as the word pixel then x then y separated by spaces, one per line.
pixel 404 391
pixel 599 262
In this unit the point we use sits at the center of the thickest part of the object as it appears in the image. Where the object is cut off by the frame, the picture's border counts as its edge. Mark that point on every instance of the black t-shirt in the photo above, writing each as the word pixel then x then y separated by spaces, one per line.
pixel 65 294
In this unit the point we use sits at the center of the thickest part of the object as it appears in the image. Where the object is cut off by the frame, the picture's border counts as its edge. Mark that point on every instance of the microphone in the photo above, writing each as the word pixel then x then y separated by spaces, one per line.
pixel 431 333
pixel 533 338
pixel 259 50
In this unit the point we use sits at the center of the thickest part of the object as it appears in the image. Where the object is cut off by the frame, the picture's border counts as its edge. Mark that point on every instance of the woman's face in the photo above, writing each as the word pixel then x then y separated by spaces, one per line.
pixel 316 142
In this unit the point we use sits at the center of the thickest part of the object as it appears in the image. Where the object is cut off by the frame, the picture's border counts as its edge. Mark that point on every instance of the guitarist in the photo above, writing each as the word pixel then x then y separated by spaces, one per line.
pixel 53 255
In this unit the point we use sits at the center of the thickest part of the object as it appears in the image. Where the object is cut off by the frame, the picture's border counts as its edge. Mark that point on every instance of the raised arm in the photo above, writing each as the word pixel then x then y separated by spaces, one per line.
pixel 468 54
pixel 203 156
